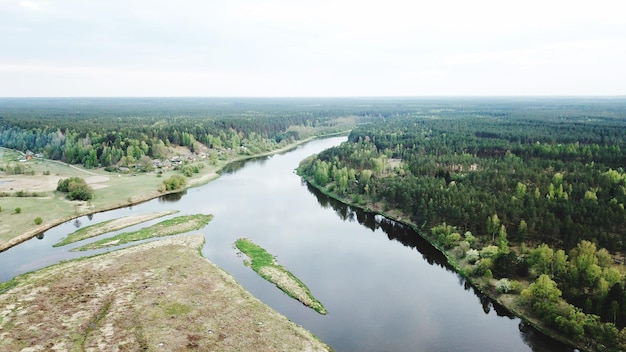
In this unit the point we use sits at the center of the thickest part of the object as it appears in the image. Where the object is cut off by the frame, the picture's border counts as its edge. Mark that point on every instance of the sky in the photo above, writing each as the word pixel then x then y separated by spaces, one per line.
pixel 321 48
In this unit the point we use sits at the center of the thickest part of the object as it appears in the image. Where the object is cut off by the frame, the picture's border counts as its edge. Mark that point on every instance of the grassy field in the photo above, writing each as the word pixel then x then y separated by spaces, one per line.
pixel 157 296
pixel 265 265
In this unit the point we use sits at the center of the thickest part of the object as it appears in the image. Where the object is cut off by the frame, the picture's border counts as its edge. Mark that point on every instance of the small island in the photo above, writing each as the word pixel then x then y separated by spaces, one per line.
pixel 266 266
pixel 177 225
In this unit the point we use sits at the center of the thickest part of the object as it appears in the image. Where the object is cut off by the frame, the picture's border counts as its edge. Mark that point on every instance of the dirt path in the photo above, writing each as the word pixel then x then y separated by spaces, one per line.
pixel 158 296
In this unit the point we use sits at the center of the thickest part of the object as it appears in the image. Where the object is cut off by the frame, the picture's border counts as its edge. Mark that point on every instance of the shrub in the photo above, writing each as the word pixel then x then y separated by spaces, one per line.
pixel 470 238
pixel 489 252
pixel 462 249
pixel 38 220
pixel 482 266
pixel 175 182
pixel 472 256
pixel 76 188
pixel 451 240
pixel 18 210
pixel 503 285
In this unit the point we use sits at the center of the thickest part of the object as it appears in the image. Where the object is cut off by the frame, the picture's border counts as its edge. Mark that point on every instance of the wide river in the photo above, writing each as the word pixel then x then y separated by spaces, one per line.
pixel 384 287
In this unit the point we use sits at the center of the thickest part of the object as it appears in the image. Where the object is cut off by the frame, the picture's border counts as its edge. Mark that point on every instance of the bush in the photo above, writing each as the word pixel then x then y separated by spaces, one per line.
pixel 503 285
pixel 76 188
pixel 175 182
pixel 482 266
pixel 462 249
pixel 38 220
pixel 18 210
pixel 472 256
pixel 470 238
pixel 489 252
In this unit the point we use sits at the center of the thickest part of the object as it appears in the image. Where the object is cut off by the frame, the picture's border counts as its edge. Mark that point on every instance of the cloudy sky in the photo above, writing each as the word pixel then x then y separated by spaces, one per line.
pixel 311 48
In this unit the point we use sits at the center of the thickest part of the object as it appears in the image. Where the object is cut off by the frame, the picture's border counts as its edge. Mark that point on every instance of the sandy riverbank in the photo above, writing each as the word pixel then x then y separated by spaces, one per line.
pixel 161 295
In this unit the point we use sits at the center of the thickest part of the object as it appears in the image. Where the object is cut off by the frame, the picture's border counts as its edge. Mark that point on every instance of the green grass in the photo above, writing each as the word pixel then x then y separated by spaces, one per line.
pixel 109 226
pixel 261 259
pixel 180 224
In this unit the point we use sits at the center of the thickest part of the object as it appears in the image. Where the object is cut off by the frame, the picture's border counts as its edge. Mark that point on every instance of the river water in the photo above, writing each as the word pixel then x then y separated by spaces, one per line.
pixel 385 288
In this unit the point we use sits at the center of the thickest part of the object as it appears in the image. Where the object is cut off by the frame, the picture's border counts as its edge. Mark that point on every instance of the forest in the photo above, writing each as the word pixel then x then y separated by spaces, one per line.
pixel 108 132
pixel 529 193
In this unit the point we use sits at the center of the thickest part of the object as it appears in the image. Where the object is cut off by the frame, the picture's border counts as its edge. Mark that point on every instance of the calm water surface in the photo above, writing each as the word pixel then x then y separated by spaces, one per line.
pixel 384 287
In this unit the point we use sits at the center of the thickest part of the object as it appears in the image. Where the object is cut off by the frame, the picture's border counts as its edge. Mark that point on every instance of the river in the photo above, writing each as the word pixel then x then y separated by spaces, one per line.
pixel 385 288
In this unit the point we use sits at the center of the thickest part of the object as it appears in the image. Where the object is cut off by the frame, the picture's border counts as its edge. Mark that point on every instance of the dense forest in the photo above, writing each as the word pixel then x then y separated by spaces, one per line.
pixel 526 193
pixel 104 132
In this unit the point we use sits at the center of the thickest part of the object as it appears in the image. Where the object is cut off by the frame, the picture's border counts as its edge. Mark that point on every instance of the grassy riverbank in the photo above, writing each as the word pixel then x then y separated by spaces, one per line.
pixel 161 295
pixel 266 266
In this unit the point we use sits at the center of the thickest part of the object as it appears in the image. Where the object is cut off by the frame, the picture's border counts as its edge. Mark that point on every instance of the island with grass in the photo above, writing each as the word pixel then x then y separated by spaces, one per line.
pixel 264 264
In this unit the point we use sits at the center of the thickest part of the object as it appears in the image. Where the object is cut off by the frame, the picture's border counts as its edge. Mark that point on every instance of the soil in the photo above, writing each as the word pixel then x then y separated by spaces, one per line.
pixel 157 296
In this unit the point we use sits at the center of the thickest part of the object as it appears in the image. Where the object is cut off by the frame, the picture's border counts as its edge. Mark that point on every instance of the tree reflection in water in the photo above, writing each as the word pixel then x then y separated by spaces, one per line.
pixel 410 238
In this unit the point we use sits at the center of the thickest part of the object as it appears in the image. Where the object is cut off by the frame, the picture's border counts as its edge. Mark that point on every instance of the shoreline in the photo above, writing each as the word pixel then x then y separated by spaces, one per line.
pixel 135 200
pixel 527 320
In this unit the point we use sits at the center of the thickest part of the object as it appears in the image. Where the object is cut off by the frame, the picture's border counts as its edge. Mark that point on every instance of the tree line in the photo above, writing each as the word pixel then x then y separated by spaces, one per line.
pixel 106 132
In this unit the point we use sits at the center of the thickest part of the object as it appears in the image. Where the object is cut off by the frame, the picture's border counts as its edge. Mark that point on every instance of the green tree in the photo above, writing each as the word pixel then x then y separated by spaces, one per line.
pixel 503 242
pixel 493 226
pixel 541 259
pixel 542 296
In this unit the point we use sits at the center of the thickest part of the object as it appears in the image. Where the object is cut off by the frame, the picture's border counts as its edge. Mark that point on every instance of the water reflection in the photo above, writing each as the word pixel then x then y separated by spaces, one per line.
pixel 235 166
pixel 394 230
pixel 172 197
pixel 408 237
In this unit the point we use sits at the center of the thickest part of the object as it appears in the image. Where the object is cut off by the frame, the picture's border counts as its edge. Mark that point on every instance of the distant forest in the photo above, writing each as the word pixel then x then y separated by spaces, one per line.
pixel 101 132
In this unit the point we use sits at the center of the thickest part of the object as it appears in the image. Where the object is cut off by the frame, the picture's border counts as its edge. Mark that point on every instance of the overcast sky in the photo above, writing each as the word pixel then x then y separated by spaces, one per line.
pixel 311 48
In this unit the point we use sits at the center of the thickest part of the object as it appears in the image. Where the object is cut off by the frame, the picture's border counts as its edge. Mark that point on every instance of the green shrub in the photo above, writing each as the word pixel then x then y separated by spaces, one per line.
pixel 38 220
pixel 174 182
pixel 18 210
pixel 76 188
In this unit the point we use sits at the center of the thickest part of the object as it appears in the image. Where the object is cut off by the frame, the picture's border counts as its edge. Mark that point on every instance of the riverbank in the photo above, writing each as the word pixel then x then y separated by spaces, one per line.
pixel 485 286
pixel 160 295
pixel 118 191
